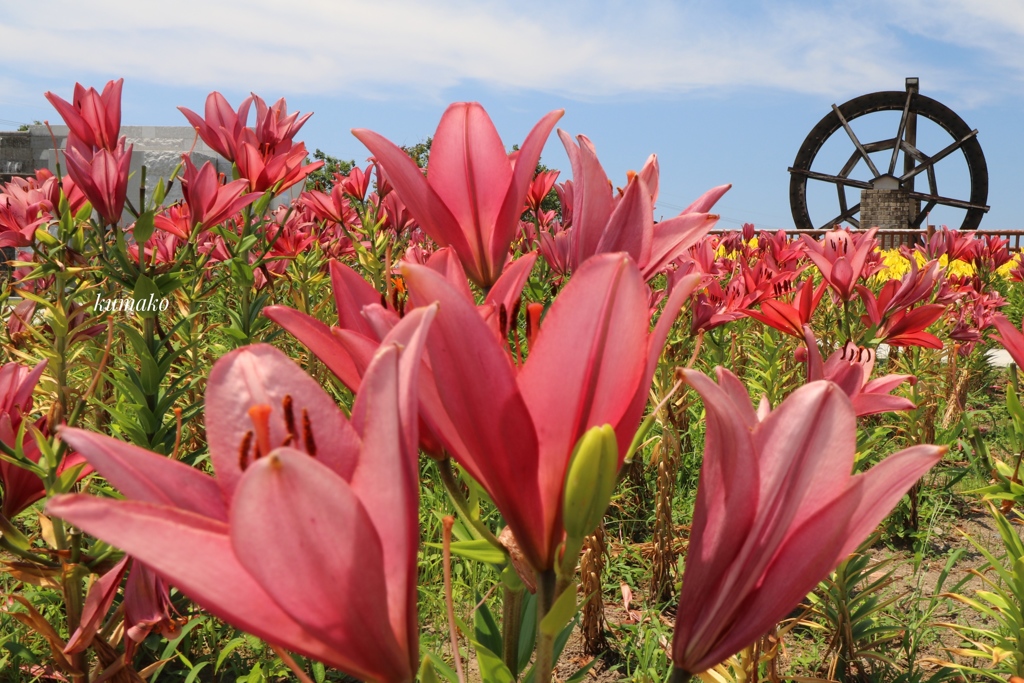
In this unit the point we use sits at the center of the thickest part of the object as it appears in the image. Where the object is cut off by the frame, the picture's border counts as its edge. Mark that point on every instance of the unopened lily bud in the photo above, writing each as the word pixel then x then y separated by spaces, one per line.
pixel 590 481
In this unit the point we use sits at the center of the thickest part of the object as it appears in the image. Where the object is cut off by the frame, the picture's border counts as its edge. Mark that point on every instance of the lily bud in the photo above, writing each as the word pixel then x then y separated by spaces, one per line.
pixel 590 481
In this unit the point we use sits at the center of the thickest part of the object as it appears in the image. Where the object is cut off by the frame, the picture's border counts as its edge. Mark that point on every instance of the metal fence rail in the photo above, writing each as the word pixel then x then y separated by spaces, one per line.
pixel 894 238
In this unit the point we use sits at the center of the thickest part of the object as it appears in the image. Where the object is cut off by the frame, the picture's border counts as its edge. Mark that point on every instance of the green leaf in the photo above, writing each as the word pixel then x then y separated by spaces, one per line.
pixel 43 237
pixel 561 612
pixel 241 273
pixel 492 669
pixel 147 295
pixel 426 674
pixel 480 551
pixel 143 228
pixel 195 671
pixel 527 630
pixel 485 627
pixel 226 651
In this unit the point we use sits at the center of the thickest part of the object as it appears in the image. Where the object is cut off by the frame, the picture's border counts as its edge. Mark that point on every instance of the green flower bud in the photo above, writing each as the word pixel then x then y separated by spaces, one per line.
pixel 590 481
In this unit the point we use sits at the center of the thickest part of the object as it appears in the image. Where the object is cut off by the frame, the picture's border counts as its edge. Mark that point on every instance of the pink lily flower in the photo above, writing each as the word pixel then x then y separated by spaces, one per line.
pixel 23 208
pixel 356 183
pixel 307 535
pixel 1010 337
pixel 275 127
pixel 333 208
pixel 841 258
pixel 513 428
pixel 791 318
pixel 954 244
pixel 364 320
pixel 396 214
pixel 777 509
pixel 209 202
pixel 539 188
pixel 102 177
pixel 22 487
pixel 907 327
pixel 147 607
pixel 850 368
pixel 602 223
pixel 93 118
pixel 175 220
pixel 914 287
pixel 473 195
pixel 275 171
pixel 222 128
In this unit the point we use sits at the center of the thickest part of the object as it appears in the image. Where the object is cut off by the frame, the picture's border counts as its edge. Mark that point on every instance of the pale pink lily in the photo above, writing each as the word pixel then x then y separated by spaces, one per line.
pixel 777 509
pixel 473 194
pixel 513 428
pixel 363 322
pixel 841 258
pixel 23 208
pixel 1010 337
pixel 850 368
pixel 603 223
pixel 307 536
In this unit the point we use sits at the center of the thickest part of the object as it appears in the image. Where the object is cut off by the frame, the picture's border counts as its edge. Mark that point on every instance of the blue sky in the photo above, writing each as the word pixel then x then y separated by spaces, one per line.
pixel 721 91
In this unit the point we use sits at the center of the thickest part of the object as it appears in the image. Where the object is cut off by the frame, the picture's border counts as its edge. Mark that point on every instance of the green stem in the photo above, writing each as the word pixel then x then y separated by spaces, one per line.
pixel 846 320
pixel 546 595
pixel 511 627
pixel 451 484
pixel 680 676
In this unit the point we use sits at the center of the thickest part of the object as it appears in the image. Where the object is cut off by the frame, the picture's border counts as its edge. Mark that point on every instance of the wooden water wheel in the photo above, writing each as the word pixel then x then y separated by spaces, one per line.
pixel 893 175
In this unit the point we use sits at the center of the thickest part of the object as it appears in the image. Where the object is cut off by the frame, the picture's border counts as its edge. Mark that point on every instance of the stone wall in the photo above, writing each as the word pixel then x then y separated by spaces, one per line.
pixel 158 148
pixel 886 209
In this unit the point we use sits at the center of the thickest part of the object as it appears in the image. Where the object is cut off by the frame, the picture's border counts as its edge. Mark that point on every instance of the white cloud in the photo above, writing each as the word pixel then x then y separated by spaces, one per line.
pixel 580 49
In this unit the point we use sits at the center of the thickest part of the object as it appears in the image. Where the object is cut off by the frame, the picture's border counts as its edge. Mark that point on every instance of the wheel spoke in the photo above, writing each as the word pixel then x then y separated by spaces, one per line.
pixel 923 215
pixel 946 151
pixel 844 216
pixel 856 142
pixel 899 133
pixel 839 180
pixel 947 201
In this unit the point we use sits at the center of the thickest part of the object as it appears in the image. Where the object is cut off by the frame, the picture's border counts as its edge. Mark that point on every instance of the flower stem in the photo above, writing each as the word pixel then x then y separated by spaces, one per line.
pixel 545 657
pixel 451 484
pixel 453 631
pixel 680 676
pixel 511 627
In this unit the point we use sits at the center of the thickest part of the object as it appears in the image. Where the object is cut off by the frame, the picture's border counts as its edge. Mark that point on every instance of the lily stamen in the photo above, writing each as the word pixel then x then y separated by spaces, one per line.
pixel 307 434
pixel 260 416
pixel 243 450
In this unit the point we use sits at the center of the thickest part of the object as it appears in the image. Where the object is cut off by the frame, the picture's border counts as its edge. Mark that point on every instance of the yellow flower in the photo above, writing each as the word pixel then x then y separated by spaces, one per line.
pixel 895 265
pixel 1004 270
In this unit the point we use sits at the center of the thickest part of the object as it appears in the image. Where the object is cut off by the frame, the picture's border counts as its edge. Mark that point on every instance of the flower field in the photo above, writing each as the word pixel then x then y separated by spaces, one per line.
pixel 452 415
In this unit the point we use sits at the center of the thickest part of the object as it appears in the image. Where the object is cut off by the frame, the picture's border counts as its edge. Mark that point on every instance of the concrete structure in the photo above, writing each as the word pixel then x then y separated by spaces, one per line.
pixel 158 148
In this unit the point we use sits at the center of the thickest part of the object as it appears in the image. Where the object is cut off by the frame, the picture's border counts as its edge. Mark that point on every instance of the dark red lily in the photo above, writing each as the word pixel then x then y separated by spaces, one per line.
pixel 791 318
